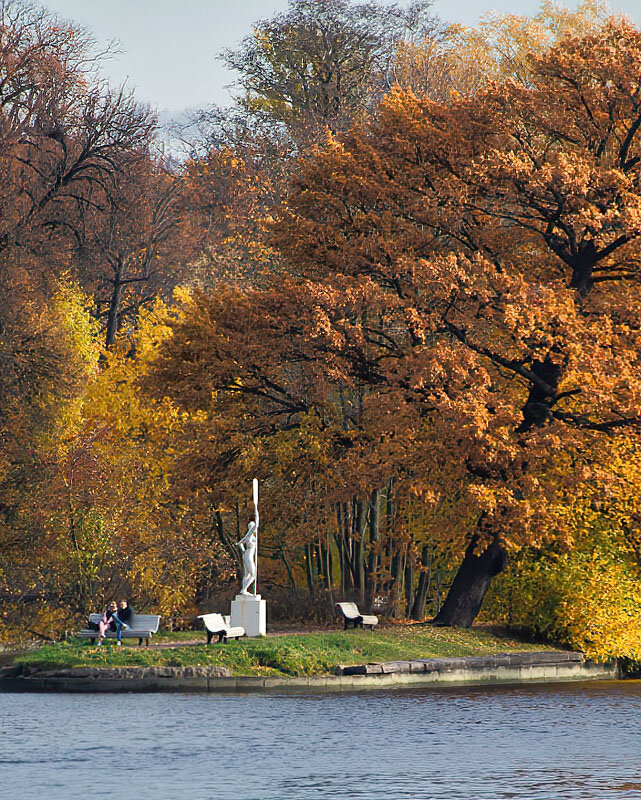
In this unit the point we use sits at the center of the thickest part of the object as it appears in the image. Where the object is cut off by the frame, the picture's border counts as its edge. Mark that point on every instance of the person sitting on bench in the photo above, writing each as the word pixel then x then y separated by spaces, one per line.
pixel 110 620
pixel 124 613
pixel 107 622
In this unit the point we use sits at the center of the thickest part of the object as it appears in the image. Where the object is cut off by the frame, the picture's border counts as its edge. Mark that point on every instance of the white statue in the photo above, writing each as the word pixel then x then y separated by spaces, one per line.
pixel 249 546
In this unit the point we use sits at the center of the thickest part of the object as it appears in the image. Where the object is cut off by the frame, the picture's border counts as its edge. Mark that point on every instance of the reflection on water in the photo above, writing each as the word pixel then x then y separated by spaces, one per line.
pixel 562 742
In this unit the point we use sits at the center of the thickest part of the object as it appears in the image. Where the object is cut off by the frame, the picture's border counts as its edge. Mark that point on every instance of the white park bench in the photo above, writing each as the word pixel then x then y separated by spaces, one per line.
pixel 141 626
pixel 351 614
pixel 217 625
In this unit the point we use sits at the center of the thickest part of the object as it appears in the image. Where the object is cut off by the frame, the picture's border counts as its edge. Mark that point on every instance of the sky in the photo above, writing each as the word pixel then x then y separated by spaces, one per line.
pixel 169 47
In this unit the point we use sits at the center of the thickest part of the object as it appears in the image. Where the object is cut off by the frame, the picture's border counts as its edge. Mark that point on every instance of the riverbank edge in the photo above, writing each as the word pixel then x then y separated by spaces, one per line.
pixel 544 666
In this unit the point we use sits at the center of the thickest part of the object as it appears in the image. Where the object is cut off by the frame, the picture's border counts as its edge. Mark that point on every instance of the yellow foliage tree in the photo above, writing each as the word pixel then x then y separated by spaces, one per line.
pixel 585 591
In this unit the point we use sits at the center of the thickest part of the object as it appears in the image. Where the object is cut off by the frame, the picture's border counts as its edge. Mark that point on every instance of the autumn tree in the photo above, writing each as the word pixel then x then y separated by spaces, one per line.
pixel 340 504
pixel 468 271
pixel 463 60
pixel 317 65
pixel 502 229
pixel 135 246
pixel 236 173
pixel 586 596
pixel 64 132
pixel 48 354
pixel 93 495
pixel 311 69
pixel 70 144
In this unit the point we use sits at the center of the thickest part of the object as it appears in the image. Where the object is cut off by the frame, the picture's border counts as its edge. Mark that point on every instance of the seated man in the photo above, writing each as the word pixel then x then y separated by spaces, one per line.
pixel 124 613
pixel 120 619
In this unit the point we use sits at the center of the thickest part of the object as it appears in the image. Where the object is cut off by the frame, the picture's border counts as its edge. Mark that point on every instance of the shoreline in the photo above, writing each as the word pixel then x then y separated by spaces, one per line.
pixel 545 666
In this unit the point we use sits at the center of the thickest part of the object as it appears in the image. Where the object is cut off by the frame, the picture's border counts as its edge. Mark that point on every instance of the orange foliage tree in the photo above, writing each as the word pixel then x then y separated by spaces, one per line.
pixel 469 270
pixel 230 188
pixel 496 239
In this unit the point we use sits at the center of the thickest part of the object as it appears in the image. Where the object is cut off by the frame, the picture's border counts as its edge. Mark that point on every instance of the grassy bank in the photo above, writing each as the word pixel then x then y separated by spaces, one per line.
pixel 294 654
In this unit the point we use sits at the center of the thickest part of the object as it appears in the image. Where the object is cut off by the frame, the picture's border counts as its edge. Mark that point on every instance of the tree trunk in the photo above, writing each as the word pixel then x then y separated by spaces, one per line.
pixel 372 560
pixel 341 554
pixel 324 564
pixel 465 597
pixel 418 609
pixel 309 570
pixel 409 585
pixel 329 566
pixel 318 563
pixel 288 569
pixel 390 544
pixel 348 531
pixel 330 562
pixel 537 409
pixel 398 570
pixel 359 550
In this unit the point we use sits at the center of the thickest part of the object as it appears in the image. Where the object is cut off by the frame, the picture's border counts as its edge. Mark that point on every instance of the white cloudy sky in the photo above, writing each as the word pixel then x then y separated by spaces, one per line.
pixel 170 46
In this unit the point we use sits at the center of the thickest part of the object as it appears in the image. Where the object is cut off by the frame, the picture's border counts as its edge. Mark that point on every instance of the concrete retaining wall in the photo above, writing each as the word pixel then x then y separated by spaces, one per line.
pixel 502 668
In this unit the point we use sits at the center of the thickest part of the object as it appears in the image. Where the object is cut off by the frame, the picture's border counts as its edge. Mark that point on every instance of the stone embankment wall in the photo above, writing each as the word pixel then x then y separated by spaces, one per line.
pixel 502 668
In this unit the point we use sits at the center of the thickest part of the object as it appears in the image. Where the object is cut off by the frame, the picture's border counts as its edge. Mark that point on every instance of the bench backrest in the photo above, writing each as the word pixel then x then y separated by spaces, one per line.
pixel 214 622
pixel 144 622
pixel 138 622
pixel 349 610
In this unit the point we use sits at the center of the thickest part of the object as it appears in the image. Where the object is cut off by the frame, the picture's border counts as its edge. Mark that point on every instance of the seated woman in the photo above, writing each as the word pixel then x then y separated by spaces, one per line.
pixel 109 621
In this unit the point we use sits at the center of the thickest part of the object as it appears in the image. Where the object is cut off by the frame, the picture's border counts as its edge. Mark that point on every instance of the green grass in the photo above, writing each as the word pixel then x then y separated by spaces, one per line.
pixel 294 654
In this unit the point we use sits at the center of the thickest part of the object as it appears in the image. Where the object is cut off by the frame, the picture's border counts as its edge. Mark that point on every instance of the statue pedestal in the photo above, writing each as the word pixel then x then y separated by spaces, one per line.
pixel 250 611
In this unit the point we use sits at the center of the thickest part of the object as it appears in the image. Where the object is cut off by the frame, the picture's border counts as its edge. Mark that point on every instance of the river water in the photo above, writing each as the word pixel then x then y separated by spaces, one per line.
pixel 553 742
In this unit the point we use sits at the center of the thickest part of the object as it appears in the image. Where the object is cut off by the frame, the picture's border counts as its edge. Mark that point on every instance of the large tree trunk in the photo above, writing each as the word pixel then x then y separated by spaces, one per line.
pixel 465 597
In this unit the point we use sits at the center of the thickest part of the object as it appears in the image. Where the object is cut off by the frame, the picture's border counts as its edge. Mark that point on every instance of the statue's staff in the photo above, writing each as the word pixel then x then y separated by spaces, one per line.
pixel 255 492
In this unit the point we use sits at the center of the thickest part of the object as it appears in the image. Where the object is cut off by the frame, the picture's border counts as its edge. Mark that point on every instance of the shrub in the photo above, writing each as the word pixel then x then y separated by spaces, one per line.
pixel 589 601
